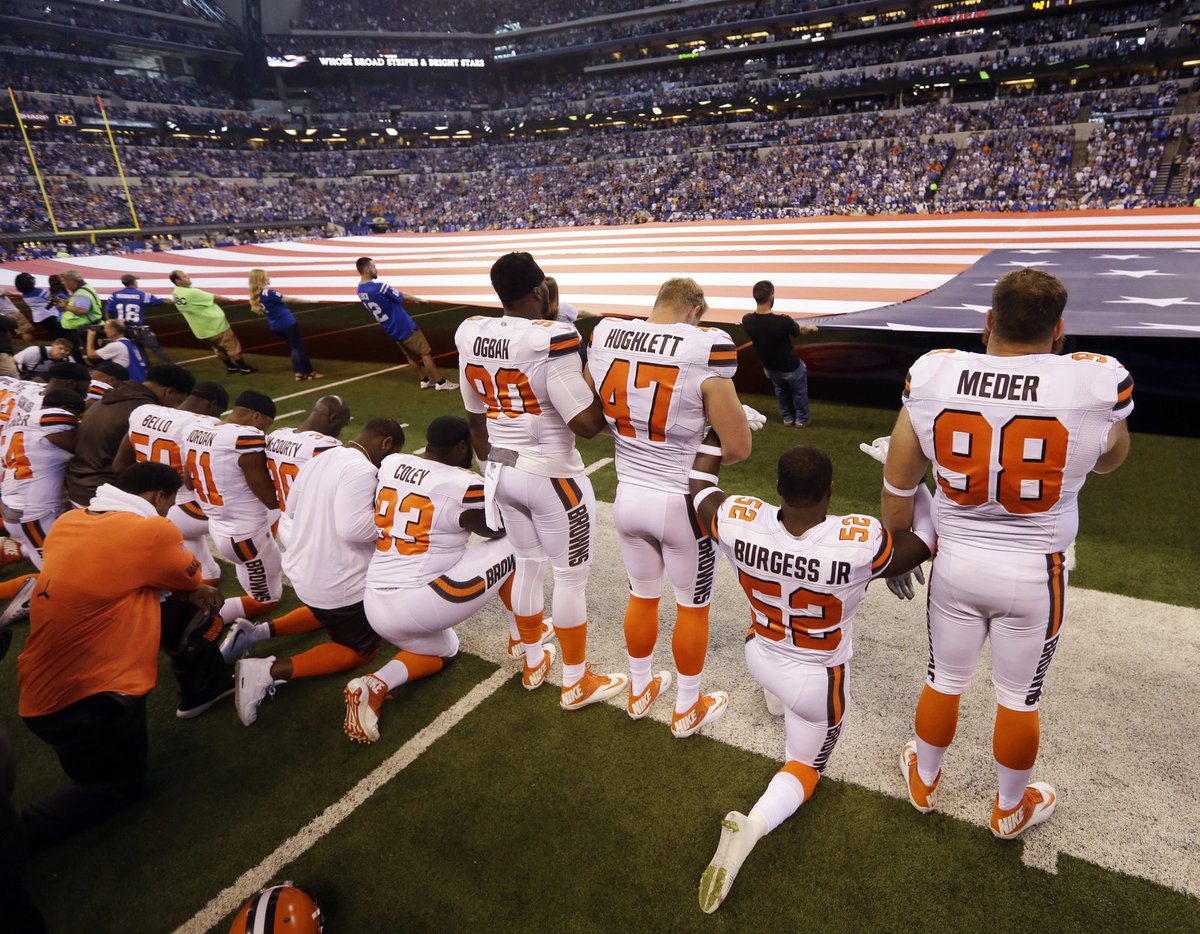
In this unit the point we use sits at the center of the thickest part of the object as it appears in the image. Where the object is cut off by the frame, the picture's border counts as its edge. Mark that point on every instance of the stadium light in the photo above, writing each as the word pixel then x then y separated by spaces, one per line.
pixel 290 132
pixel 657 111
pixel 390 131
pixel 442 127
pixel 311 131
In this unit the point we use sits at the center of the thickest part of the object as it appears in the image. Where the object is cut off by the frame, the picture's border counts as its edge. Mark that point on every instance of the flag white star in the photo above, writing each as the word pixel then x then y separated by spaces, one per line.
pixel 987 285
pixel 1040 262
pixel 1156 302
pixel 1122 256
pixel 1136 273
pixel 982 309
pixel 1151 326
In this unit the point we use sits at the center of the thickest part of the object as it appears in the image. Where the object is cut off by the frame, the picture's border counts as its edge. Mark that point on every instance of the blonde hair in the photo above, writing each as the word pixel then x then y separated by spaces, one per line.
pixel 681 294
pixel 258 281
pixel 552 303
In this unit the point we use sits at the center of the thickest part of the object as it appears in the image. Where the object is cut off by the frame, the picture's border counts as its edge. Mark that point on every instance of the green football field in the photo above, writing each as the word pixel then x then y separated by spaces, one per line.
pixel 486 808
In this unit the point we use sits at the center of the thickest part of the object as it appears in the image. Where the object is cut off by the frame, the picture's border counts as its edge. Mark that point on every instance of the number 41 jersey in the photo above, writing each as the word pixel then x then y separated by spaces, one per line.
pixel 1012 440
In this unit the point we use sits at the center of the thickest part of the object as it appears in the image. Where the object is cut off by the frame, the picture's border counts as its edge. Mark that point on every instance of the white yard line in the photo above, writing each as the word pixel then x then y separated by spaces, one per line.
pixel 294 847
pixel 600 464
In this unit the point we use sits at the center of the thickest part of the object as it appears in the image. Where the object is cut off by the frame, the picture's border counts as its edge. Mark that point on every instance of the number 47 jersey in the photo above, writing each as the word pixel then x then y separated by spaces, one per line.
pixel 1012 440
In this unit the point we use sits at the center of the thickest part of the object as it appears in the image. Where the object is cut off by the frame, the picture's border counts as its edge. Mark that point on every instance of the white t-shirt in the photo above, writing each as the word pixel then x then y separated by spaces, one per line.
pixel 30 362
pixel 331 536
pixel 115 352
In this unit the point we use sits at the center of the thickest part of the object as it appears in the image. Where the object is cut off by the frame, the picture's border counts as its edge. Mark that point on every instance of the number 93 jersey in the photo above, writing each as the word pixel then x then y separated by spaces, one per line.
pixel 1012 440
pixel 648 377
pixel 289 449
pixel 527 378
pixel 418 506
pixel 803 591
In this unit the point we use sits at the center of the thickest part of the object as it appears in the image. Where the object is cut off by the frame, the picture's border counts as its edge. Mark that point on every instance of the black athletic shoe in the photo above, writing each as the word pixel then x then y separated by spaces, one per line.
pixel 232 370
pixel 195 704
pixel 246 369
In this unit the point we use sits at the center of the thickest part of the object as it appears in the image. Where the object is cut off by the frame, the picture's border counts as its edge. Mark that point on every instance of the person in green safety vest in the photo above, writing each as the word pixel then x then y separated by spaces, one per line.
pixel 82 310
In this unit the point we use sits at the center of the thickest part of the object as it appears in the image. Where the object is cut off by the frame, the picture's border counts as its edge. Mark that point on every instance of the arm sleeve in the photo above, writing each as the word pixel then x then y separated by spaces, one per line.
pixel 153 299
pixel 882 540
pixel 794 327
pixel 1123 404
pixel 169 565
pixel 81 302
pixel 354 508
pixel 569 394
pixel 722 358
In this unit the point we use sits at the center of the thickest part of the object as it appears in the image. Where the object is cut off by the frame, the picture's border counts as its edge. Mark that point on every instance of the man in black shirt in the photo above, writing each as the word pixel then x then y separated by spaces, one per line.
pixel 772 336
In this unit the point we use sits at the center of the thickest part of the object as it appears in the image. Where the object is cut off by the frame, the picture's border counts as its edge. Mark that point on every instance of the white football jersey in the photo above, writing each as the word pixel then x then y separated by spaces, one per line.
pixel 648 377
pixel 34 467
pixel 10 388
pixel 1012 440
pixel 418 505
pixel 804 591
pixel 289 449
pixel 97 388
pixel 210 455
pixel 527 377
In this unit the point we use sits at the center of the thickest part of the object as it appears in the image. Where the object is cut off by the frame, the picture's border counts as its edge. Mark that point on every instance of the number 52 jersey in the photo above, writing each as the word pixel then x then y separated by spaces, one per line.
pixel 1012 440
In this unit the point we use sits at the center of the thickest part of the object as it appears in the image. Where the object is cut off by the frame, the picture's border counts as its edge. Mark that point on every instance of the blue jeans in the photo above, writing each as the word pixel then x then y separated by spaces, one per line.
pixel 791 389
pixel 300 362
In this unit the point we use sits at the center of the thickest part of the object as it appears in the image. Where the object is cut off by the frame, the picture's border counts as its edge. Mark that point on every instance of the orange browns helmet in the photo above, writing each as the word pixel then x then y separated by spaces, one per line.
pixel 280 909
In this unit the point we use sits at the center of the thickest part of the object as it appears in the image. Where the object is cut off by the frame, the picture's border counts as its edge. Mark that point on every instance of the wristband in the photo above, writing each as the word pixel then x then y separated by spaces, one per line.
pixel 704 494
pixel 896 491
pixel 700 475
pixel 710 449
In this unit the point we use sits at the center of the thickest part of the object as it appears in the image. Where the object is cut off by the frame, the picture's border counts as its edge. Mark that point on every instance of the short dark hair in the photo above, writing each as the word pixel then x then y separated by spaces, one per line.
pixel 805 475
pixel 54 283
pixel 171 376
pixel 72 372
pixel 1027 305
pixel 515 275
pixel 174 276
pixel 361 264
pixel 445 431
pixel 148 477
pixel 763 290
pixel 386 428
pixel 63 399
pixel 256 401
pixel 24 282
pixel 212 392
pixel 115 370
pixel 128 279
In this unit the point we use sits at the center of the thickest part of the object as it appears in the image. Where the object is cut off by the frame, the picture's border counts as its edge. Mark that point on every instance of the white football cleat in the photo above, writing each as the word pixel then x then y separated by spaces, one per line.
pixel 240 635
pixel 774 704
pixel 252 682
pixel 444 386
pixel 18 606
pixel 1036 806
pixel 739 834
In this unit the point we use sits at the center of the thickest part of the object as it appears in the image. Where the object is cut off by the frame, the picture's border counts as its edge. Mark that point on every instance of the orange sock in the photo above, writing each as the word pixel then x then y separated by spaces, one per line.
pixel 419 666
pixel 506 592
pixel 805 774
pixel 641 625
pixel 8 589
pixel 690 641
pixel 252 608
pixel 530 628
pixel 1015 738
pixel 301 620
pixel 573 642
pixel 937 717
pixel 327 659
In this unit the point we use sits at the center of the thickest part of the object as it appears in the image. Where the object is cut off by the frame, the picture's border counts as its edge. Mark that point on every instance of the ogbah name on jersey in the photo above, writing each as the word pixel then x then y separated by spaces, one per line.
pixel 1015 387
pixel 787 564
pixel 492 348
pixel 643 342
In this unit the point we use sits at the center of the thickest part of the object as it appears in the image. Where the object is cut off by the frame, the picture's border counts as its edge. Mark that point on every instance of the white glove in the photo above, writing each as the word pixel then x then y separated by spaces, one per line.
pixel 878 449
pixel 754 417
pixel 902 586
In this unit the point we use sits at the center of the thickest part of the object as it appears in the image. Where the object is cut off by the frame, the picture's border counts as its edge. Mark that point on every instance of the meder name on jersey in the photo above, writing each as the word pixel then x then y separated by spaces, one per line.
pixel 643 341
pixel 787 564
pixel 1014 387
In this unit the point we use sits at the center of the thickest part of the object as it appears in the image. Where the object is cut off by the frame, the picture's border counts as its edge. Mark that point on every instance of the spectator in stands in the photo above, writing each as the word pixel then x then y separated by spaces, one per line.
pixel 128 305
pixel 36 359
pixel 92 653
pixel 269 302
pixel 204 315
pixel 772 335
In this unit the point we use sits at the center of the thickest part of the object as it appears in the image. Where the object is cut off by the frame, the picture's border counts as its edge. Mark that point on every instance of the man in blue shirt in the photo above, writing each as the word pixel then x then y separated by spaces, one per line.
pixel 128 305
pixel 387 306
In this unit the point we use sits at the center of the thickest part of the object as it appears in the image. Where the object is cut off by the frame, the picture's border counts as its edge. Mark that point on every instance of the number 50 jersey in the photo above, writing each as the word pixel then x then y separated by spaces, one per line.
pixel 527 377
pixel 1012 440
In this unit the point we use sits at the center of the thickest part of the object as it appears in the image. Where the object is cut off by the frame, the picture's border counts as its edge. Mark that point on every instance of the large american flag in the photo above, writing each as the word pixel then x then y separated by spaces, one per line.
pixel 820 266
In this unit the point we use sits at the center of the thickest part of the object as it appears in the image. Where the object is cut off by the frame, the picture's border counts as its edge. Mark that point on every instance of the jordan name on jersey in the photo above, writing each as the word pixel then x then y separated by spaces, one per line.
pixel 418 507
pixel 803 591
pixel 210 455
pixel 289 449
pixel 649 379
pixel 1012 440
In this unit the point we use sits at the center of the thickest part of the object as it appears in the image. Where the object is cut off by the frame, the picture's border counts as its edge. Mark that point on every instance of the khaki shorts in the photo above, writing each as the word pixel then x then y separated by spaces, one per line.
pixel 416 344
pixel 225 344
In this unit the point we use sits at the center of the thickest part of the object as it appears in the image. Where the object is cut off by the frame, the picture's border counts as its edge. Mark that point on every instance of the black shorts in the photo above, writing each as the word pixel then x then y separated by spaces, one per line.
pixel 348 626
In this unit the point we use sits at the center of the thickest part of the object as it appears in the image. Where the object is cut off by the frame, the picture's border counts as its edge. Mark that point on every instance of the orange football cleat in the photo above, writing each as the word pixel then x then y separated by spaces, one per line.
pixel 364 698
pixel 1036 806
pixel 921 796
pixel 592 689
pixel 639 706
pixel 709 708
pixel 532 678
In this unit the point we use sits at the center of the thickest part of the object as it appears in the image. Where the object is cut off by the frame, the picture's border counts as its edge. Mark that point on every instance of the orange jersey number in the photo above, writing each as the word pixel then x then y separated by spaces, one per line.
pixel 614 396
pixel 508 394
pixel 824 637
pixel 283 476
pixel 1033 454
pixel 15 458
pixel 414 538
pixel 199 472
pixel 162 451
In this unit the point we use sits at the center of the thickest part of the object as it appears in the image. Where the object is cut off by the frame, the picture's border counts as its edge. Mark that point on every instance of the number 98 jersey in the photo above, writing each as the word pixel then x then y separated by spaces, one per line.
pixel 289 449
pixel 1012 440
pixel 648 377
pixel 418 507
pixel 803 591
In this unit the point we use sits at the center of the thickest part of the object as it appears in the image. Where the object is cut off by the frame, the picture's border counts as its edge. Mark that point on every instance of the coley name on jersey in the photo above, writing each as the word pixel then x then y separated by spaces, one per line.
pixel 406 473
pixel 643 342
pixel 787 564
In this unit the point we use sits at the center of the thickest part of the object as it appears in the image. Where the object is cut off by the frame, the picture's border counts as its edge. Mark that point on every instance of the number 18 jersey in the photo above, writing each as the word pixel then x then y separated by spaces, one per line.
pixel 1012 440
pixel 649 379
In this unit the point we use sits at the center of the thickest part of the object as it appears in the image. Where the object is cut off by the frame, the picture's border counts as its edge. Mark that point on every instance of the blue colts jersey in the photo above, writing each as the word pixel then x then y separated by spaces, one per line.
pixel 129 306
pixel 386 305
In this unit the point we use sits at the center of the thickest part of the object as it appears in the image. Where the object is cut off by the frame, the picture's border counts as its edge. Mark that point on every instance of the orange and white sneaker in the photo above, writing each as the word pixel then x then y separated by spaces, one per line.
pixel 10 551
pixel 532 678
pixel 639 706
pixel 516 648
pixel 1036 806
pixel 592 689
pixel 709 708
pixel 922 796
pixel 364 698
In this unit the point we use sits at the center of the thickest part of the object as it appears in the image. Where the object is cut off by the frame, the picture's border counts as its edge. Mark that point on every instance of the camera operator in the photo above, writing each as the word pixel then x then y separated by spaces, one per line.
pixel 116 348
